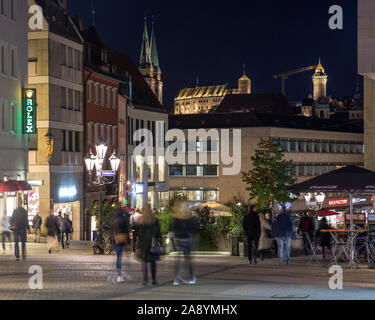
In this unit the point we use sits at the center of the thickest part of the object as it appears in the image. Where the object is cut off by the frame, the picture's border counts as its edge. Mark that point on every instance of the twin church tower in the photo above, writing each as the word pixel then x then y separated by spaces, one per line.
pixel 149 63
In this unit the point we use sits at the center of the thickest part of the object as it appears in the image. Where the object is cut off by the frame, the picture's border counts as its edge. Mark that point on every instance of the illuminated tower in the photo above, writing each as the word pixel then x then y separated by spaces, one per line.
pixel 145 64
pixel 320 79
pixel 244 83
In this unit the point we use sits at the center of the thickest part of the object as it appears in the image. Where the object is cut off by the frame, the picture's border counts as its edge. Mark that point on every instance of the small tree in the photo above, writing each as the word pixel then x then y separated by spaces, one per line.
pixel 107 211
pixel 271 175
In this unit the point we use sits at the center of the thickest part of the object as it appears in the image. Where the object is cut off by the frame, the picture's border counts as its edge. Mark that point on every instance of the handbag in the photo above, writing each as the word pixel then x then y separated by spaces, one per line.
pixel 13 227
pixel 121 238
pixel 155 248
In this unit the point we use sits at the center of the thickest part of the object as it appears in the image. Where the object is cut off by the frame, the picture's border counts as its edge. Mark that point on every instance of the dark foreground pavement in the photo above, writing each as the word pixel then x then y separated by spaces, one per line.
pixel 75 273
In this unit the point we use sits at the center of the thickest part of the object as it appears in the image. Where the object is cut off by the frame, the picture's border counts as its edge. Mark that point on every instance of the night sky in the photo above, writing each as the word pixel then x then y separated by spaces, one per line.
pixel 212 39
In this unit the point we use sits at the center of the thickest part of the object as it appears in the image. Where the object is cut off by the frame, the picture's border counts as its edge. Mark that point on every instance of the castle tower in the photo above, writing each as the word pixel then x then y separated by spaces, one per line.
pixel 320 79
pixel 155 64
pixel 244 83
pixel 145 65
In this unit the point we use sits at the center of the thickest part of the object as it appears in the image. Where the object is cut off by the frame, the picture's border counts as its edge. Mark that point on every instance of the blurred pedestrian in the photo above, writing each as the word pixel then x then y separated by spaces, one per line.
pixel 63 226
pixel 251 226
pixel 5 223
pixel 69 234
pixel 135 220
pixel 19 224
pixel 324 237
pixel 265 240
pixel 282 230
pixel 37 223
pixel 149 243
pixel 306 227
pixel 119 223
pixel 184 227
pixel 52 231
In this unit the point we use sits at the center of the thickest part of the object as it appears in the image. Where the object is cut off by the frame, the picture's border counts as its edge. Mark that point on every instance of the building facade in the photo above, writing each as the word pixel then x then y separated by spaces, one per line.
pixel 207 98
pixel 366 67
pixel 13 79
pixel 56 150
pixel 313 151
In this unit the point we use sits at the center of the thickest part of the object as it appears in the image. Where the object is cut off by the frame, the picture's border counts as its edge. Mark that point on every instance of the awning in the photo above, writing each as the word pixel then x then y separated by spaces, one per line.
pixel 14 186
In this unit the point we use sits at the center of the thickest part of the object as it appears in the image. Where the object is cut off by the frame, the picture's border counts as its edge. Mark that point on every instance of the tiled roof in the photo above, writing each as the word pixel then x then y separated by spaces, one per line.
pixel 202 92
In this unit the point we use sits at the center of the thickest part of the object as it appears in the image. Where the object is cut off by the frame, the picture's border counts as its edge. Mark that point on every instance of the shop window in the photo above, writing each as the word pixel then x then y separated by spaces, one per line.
pixel 194 195
pixel 210 195
pixel 175 170
pixel 210 170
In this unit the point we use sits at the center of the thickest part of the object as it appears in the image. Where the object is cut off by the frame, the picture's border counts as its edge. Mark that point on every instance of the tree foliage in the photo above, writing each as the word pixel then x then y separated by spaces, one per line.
pixel 270 176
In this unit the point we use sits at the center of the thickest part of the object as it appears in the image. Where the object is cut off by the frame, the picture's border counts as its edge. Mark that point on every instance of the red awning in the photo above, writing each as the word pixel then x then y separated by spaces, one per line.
pixel 14 186
pixel 325 213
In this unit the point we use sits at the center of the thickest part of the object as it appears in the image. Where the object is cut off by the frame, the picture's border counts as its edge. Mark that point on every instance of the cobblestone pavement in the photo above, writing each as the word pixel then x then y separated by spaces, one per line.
pixel 75 273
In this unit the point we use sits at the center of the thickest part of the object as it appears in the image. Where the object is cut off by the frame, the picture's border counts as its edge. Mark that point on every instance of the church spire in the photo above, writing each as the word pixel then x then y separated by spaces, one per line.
pixel 145 58
pixel 92 13
pixel 154 51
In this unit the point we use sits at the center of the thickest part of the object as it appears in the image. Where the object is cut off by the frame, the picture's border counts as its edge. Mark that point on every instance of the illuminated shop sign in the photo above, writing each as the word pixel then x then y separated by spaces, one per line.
pixel 29 111
pixel 338 202
pixel 139 188
pixel 67 192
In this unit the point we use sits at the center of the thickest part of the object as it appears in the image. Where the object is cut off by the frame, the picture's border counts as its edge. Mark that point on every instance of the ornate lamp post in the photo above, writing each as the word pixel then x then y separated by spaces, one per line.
pixel 103 177
pixel 318 203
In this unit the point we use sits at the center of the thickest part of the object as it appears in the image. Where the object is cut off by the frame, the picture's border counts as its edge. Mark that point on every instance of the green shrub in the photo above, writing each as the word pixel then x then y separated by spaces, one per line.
pixel 165 220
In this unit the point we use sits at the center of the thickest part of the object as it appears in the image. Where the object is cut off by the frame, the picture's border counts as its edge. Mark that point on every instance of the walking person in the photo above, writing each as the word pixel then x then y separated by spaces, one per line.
pixel 37 223
pixel 6 234
pixel 63 228
pixel 282 230
pixel 251 226
pixel 69 233
pixel 119 223
pixel 20 225
pixel 324 237
pixel 135 220
pixel 265 240
pixel 184 227
pixel 52 231
pixel 149 243
pixel 306 227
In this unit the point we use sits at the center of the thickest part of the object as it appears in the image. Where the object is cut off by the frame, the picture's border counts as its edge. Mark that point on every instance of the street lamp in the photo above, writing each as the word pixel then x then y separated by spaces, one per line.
pixel 97 161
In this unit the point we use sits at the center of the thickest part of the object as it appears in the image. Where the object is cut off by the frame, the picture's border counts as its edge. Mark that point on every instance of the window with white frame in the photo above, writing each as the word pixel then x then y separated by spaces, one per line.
pixel 114 91
pixel 77 100
pixel 108 135
pixel 102 131
pixel 102 95
pixel 96 133
pixel 108 97
pixel 2 115
pixel 13 117
pixel 89 91
pixel 12 9
pixel 70 57
pixel 96 98
pixel 114 136
pixel 63 54
pixel 89 133
pixel 3 8
pixel 13 61
pixel 70 99
pixel 3 58
pixel 77 60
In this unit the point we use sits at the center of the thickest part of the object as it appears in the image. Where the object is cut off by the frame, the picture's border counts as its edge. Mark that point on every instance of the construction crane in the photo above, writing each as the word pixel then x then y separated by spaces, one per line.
pixel 285 75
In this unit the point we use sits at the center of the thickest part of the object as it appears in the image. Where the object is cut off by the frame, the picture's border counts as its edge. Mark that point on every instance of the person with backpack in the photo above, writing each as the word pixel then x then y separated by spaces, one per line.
pixel 19 224
pixel 119 223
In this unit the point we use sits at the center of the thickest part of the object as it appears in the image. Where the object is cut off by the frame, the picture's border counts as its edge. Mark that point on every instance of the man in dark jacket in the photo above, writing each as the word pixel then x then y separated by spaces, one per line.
pixel 251 226
pixel 52 231
pixel 119 223
pixel 306 227
pixel 37 223
pixel 20 224
pixel 282 230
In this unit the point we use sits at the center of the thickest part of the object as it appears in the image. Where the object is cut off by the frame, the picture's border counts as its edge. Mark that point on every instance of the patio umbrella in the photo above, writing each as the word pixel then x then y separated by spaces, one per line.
pixel 24 186
pixel 326 213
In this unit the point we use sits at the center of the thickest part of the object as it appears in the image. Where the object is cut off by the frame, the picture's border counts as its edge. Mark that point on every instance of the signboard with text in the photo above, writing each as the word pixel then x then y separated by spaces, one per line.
pixel 29 111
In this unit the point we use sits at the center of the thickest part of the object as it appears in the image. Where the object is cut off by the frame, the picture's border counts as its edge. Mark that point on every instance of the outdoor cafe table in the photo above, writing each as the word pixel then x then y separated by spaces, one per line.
pixel 344 246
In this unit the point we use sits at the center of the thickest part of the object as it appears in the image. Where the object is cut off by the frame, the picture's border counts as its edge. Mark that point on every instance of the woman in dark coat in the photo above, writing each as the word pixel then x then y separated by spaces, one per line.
pixel 149 236
pixel 324 237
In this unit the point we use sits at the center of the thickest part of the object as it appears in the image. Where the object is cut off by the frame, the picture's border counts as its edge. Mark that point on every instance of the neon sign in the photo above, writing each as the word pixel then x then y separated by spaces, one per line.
pixel 29 112
pixel 338 202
